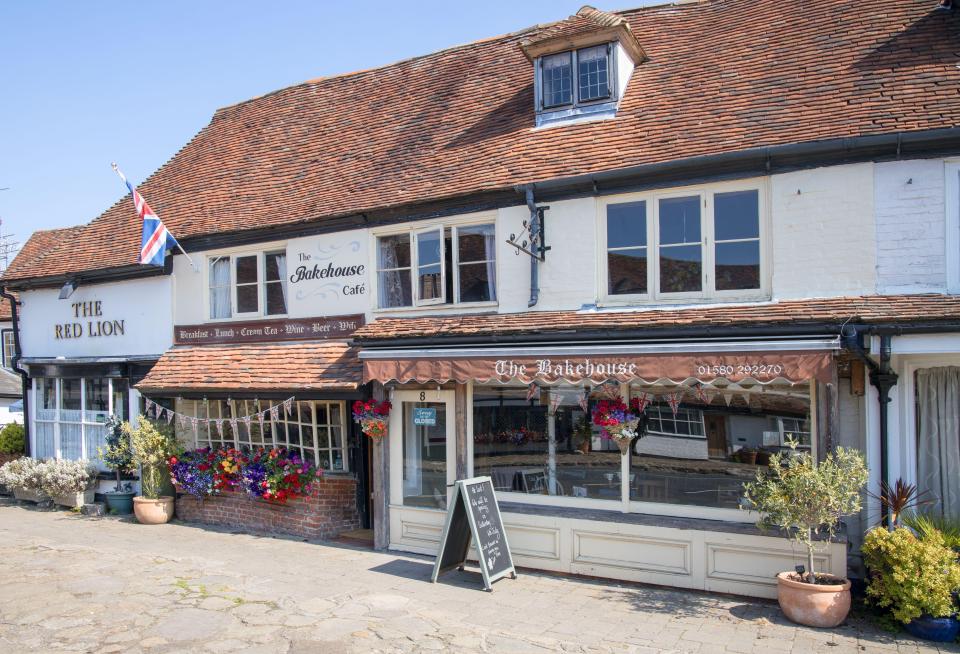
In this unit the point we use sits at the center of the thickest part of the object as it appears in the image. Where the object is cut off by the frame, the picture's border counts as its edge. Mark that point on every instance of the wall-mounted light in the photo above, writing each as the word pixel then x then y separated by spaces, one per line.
pixel 67 289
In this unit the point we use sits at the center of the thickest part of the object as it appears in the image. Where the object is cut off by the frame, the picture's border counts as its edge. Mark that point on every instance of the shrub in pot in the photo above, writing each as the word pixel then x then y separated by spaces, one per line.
pixel 22 477
pixel 151 448
pixel 806 500
pixel 12 442
pixel 916 578
pixel 117 456
pixel 69 483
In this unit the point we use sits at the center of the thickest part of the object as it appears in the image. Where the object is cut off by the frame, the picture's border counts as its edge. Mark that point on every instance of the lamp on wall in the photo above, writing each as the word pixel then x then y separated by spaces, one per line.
pixel 67 289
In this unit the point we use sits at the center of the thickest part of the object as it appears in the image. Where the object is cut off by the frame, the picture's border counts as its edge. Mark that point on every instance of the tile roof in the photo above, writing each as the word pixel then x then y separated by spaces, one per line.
pixel 833 311
pixel 309 366
pixel 10 384
pixel 6 311
pixel 722 76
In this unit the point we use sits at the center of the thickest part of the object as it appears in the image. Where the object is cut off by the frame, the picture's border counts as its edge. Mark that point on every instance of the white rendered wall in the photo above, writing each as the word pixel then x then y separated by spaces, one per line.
pixel 824 238
pixel 144 306
pixel 911 233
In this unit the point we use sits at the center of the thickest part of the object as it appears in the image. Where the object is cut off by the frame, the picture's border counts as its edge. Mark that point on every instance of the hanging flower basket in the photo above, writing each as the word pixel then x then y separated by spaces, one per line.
pixel 617 421
pixel 372 416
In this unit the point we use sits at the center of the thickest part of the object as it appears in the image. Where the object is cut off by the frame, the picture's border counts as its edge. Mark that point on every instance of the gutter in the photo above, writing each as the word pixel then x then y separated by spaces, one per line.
pixel 24 377
pixel 534 229
pixel 609 336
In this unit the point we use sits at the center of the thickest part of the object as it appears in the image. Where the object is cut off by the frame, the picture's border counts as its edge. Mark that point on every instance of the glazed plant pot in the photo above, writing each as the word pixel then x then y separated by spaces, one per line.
pixel 941 630
pixel 153 512
pixel 813 605
pixel 75 499
pixel 119 503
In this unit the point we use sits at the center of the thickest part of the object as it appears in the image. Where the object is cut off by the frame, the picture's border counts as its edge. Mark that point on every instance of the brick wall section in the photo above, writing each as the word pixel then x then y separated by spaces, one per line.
pixel 911 228
pixel 328 512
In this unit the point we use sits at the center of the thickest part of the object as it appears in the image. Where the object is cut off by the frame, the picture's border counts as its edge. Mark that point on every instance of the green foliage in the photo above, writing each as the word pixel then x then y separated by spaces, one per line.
pixel 807 500
pixel 924 525
pixel 911 576
pixel 116 454
pixel 12 440
pixel 150 450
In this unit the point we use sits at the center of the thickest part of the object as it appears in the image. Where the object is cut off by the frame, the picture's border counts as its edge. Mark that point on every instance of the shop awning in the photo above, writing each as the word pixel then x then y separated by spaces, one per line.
pixel 265 368
pixel 793 361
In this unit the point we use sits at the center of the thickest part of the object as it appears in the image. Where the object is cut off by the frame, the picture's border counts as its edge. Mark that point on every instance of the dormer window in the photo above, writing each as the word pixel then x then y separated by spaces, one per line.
pixel 582 66
pixel 593 68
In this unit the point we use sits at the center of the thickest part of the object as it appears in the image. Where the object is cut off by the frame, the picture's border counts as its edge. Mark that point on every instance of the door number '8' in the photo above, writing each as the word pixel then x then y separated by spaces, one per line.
pixel 423 396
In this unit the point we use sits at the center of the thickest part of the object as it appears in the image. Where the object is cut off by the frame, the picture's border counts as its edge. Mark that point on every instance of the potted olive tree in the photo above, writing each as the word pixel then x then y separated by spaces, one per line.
pixel 117 456
pixel 806 500
pixel 151 449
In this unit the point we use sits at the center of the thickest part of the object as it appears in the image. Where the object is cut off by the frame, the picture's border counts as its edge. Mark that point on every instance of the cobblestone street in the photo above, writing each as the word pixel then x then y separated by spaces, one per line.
pixel 72 583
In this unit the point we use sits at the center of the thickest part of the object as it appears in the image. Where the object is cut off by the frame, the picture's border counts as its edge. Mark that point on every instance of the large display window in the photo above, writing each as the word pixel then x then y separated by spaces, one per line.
pixel 70 415
pixel 698 444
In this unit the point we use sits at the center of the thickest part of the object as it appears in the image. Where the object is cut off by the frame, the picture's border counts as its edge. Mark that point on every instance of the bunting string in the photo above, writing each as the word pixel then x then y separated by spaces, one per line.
pixel 157 412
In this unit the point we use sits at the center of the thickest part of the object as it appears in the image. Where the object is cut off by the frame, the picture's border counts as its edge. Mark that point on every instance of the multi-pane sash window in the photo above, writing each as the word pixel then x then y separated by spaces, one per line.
pixel 557 79
pixel 686 422
pixel 71 413
pixel 248 285
pixel 575 77
pixel 593 74
pixel 736 231
pixel 681 251
pixel 696 245
pixel 315 430
pixel 627 248
pixel 440 265
pixel 9 349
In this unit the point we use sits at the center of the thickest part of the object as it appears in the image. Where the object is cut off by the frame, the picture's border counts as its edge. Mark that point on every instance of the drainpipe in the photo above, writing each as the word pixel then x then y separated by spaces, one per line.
pixel 534 229
pixel 24 377
pixel 883 378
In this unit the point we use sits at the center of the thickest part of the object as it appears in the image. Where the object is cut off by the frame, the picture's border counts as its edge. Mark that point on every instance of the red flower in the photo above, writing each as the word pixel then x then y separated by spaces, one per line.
pixel 173 461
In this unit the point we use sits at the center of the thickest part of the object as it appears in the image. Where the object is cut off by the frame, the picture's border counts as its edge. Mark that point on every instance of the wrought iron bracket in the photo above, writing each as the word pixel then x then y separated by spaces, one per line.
pixel 532 240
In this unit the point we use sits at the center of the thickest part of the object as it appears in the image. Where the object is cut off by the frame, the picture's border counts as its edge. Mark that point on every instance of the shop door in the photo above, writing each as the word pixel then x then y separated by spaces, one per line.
pixel 422 448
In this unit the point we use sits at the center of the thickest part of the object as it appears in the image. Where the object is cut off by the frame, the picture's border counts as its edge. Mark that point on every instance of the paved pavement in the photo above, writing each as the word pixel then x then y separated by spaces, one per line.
pixel 72 583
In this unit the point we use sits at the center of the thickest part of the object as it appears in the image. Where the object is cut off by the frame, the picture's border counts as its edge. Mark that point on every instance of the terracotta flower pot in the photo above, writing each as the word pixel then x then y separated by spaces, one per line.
pixel 813 605
pixel 153 512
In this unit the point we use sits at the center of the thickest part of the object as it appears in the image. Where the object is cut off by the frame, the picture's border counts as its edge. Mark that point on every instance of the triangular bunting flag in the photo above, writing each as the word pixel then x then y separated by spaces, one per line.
pixel 584 400
pixel 233 426
pixel 196 425
pixel 219 423
pixel 275 413
pixel 673 399
pixel 248 421
pixel 554 402
pixel 288 406
pixel 643 400
pixel 701 392
pixel 169 415
pixel 532 391
pixel 727 397
pixel 260 417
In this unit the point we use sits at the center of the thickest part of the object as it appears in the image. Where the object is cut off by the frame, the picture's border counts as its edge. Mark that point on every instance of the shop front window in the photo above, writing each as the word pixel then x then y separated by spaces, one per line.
pixel 701 451
pixel 71 413
pixel 315 430
pixel 527 448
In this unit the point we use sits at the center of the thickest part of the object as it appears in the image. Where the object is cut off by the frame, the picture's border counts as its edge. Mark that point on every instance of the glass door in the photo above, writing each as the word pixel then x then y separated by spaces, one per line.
pixel 422 444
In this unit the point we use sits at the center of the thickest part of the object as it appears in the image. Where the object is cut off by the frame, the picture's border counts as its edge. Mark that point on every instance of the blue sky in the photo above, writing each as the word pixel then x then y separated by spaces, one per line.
pixel 87 83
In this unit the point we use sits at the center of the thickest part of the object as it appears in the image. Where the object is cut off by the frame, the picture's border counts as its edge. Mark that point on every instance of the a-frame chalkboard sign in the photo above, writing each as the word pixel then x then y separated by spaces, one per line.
pixel 473 511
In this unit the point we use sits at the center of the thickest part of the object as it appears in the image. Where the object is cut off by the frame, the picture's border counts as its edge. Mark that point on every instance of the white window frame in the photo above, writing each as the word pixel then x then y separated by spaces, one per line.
pixel 261 284
pixel 453 225
pixel 666 434
pixel 576 102
pixel 952 223
pixel 708 290
pixel 244 407
pixel 9 349
pixel 58 420
pixel 415 260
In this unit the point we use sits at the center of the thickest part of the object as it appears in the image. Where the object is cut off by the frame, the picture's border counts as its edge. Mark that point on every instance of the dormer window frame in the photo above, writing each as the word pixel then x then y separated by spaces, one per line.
pixel 575 99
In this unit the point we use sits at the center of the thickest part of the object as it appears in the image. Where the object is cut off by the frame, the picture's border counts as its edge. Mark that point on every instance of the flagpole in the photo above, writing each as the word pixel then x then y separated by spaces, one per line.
pixel 116 169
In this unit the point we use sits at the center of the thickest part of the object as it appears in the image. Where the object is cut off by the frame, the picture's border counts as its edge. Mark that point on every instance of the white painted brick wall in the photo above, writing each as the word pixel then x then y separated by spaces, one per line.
pixel 824 238
pixel 909 198
pixel 677 448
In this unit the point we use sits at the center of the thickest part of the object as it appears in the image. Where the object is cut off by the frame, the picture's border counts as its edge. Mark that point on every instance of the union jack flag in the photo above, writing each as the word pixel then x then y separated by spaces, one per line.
pixel 156 239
